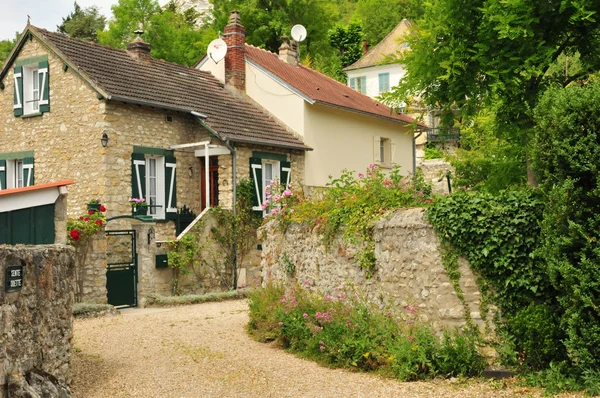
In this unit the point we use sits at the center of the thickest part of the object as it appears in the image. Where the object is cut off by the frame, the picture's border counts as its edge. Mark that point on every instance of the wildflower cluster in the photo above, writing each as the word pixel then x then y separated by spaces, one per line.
pixel 83 227
pixel 342 330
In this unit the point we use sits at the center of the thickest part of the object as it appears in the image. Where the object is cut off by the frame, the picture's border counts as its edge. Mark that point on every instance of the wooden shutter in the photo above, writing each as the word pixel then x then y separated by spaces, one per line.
pixel 138 175
pixel 393 151
pixel 363 84
pixel 44 86
pixel 170 187
pixel 353 83
pixel 376 149
pixel 28 172
pixel 256 176
pixel 18 92
pixel 2 174
pixel 285 173
pixel 384 82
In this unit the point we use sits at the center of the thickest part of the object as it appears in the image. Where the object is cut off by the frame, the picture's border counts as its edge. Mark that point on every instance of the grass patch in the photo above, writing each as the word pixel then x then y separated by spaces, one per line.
pixel 156 300
pixel 81 310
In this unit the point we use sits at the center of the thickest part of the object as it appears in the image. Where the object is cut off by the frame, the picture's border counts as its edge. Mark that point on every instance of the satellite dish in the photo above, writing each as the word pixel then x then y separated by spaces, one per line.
pixel 299 33
pixel 217 49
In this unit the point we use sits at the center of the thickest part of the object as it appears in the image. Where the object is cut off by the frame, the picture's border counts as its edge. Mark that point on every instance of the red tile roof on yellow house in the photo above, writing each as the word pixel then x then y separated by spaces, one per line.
pixel 315 87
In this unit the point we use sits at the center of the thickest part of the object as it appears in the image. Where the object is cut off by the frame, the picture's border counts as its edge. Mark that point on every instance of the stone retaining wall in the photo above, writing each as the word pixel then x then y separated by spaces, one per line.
pixel 409 270
pixel 36 322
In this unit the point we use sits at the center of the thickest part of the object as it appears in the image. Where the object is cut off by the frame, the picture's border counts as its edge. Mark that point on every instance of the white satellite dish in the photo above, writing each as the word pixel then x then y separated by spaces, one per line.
pixel 298 33
pixel 217 49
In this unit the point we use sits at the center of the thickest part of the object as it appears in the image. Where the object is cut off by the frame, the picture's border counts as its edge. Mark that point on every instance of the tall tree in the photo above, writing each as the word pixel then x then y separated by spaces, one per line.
pixel 469 54
pixel 128 16
pixel 6 47
pixel 348 41
pixel 83 23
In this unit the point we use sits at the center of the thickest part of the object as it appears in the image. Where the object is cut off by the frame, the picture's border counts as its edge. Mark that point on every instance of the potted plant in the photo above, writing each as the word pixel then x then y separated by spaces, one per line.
pixel 139 207
pixel 94 205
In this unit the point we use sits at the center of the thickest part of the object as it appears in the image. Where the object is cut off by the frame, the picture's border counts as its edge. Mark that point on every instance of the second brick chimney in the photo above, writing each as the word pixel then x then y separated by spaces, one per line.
pixel 138 48
pixel 235 63
pixel 288 51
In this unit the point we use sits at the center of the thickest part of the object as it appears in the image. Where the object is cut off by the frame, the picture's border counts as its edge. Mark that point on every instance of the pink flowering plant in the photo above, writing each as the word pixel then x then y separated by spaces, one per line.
pixel 138 202
pixel 280 201
pixel 354 202
pixel 341 329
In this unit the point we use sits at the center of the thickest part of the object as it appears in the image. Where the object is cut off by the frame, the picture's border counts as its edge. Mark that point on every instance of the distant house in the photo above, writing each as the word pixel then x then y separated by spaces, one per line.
pixel 122 125
pixel 345 129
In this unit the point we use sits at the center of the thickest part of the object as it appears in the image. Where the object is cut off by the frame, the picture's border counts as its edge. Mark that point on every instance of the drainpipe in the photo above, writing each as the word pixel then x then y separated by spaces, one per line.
pixel 415 151
pixel 234 182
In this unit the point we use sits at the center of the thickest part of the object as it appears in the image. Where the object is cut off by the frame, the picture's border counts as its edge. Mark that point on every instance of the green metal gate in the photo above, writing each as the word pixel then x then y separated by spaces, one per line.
pixel 121 270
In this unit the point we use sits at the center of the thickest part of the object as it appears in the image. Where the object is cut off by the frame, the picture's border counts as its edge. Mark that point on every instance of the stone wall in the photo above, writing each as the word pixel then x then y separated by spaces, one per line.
pixel 36 322
pixel 408 267
pixel 433 170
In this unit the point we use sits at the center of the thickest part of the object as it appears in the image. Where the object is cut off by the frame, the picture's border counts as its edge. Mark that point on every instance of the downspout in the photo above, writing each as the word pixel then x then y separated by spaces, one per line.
pixel 414 148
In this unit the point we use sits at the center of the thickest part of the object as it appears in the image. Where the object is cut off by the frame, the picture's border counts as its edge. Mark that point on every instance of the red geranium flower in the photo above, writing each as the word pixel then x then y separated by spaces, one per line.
pixel 99 222
pixel 81 218
pixel 87 219
pixel 75 234
pixel 90 212
pixel 102 208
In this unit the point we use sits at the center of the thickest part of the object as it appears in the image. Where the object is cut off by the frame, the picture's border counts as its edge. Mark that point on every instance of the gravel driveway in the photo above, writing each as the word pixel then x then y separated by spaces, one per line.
pixel 204 351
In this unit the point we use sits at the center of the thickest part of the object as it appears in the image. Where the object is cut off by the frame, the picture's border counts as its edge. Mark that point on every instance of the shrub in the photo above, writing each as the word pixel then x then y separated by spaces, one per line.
pixel 342 330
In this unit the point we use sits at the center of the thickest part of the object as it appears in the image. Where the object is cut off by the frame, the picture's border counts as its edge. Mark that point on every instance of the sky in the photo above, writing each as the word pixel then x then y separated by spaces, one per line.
pixel 45 14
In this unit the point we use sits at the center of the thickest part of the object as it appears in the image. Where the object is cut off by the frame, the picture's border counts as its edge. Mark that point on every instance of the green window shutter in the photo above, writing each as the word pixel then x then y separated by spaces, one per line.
pixel 18 94
pixel 44 76
pixel 256 176
pixel 138 175
pixel 353 83
pixel 170 187
pixel 285 173
pixel 384 82
pixel 28 172
pixel 363 84
pixel 2 174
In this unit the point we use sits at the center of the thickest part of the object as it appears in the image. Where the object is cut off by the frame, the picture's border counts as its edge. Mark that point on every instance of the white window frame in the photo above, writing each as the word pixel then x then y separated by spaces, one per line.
pixel 159 178
pixel 384 80
pixel 12 174
pixel 31 95
pixel 276 175
pixel 361 84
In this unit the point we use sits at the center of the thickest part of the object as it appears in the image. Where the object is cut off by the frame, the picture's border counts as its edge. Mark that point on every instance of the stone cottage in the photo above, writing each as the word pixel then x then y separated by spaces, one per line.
pixel 122 125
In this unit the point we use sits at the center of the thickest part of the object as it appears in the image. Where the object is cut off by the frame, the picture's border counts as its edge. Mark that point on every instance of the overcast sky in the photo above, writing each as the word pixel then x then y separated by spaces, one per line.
pixel 45 14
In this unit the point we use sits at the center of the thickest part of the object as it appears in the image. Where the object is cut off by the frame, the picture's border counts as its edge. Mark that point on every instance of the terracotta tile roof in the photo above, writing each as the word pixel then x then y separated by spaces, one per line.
pixel 386 48
pixel 320 88
pixel 166 84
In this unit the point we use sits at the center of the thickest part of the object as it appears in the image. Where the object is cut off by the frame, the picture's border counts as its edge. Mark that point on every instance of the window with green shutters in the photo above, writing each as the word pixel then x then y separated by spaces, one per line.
pixel 31 86
pixel 16 170
pixel 264 168
pixel 154 178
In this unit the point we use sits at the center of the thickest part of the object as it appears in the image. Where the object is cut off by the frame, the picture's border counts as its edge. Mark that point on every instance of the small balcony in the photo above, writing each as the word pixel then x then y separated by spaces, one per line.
pixel 443 135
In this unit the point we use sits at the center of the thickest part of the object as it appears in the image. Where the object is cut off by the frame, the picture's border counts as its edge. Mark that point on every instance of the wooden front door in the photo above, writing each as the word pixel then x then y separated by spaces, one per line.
pixel 213 171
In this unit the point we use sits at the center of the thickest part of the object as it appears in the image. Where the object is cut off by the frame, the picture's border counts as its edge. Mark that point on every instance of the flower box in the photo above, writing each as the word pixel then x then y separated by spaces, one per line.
pixel 94 206
pixel 139 210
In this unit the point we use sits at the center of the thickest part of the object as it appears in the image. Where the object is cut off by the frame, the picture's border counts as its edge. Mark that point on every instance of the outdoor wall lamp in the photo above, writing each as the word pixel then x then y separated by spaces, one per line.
pixel 150 235
pixel 104 140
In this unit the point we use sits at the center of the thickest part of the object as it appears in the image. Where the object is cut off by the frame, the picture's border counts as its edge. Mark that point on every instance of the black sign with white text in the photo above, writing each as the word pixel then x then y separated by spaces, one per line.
pixel 13 279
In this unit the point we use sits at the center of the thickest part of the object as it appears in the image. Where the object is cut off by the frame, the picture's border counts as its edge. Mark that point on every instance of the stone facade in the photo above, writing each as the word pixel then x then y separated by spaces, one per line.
pixel 409 270
pixel 433 170
pixel 36 322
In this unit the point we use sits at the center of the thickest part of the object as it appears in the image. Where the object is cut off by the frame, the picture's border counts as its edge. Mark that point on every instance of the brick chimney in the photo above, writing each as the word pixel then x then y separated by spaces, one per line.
pixel 235 63
pixel 288 52
pixel 138 48
pixel 365 46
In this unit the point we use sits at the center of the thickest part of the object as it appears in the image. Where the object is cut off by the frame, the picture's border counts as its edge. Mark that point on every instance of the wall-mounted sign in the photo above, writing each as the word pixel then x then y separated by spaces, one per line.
pixel 13 280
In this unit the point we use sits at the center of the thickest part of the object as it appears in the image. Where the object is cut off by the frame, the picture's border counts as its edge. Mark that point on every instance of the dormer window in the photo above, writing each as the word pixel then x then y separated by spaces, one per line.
pixel 32 88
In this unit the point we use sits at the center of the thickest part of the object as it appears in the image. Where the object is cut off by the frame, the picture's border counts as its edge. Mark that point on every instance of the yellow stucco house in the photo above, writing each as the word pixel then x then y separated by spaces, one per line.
pixel 346 129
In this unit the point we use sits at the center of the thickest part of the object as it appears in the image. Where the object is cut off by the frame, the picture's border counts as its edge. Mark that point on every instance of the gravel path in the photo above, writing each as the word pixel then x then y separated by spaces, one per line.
pixel 204 351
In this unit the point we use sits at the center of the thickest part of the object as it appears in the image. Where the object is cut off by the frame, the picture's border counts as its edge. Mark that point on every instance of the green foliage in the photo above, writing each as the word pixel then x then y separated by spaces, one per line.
pixel 487 159
pixel 468 55
pixel 433 152
pixel 6 47
pixel 83 23
pixel 567 162
pixel 348 41
pixel 344 331
pixel 128 16
pixel 184 255
pixel 157 300
pixel 353 204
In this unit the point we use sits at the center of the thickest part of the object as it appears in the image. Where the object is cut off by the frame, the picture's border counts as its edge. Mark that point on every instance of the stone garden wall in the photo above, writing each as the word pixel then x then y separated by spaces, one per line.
pixel 36 321
pixel 409 270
